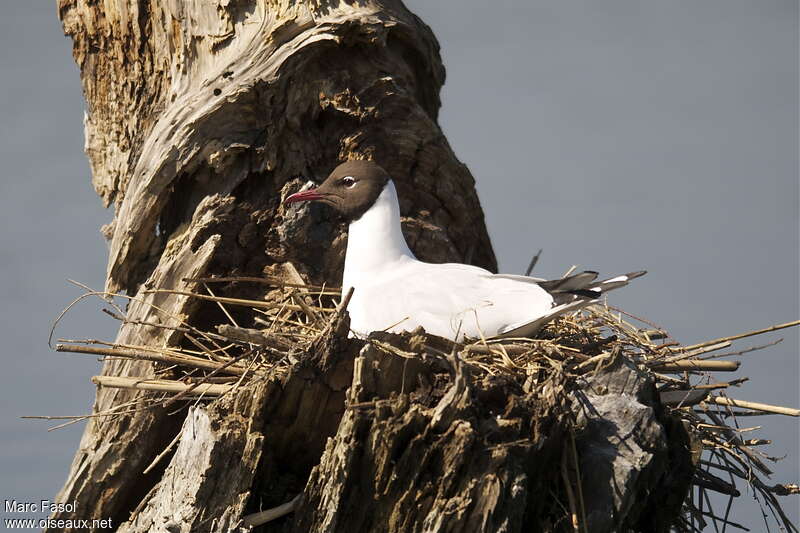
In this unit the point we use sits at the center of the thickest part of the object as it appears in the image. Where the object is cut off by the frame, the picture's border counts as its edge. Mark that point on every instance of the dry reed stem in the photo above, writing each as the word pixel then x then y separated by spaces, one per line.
pixel 231 301
pixel 695 365
pixel 743 335
pixel 274 282
pixel 756 406
pixel 160 385
pixel 183 360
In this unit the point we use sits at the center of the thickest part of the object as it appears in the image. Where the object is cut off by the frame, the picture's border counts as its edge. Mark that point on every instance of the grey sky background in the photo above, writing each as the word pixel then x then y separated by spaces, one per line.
pixel 615 135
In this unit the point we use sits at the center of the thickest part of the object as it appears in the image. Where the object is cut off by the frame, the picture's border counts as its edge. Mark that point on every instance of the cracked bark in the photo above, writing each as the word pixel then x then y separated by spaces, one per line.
pixel 200 117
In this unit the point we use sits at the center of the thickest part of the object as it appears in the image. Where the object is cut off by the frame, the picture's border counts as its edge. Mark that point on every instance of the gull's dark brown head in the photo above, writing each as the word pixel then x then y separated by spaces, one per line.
pixel 351 188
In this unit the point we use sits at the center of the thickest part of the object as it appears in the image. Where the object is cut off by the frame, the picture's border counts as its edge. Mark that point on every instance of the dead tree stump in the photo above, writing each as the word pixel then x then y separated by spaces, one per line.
pixel 201 117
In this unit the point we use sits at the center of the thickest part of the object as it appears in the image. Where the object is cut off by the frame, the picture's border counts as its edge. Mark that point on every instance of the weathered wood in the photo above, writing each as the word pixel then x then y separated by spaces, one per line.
pixel 487 456
pixel 105 477
pixel 207 483
pixel 396 465
pixel 251 433
pixel 196 98
pixel 200 117
pixel 628 469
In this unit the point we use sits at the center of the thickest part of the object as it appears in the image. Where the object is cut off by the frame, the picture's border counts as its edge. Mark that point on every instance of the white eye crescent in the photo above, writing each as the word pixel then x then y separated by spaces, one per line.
pixel 348 181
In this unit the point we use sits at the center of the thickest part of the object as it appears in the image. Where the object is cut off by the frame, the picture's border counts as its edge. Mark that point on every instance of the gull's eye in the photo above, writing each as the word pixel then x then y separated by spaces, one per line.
pixel 348 181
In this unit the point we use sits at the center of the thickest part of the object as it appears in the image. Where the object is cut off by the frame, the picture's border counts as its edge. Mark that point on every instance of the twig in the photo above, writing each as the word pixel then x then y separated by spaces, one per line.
pixel 743 335
pixel 112 411
pixel 274 282
pixel 160 385
pixel 576 464
pixel 222 307
pixel 257 519
pixel 655 334
pixel 162 454
pixel 784 490
pixel 767 408
pixel 104 295
pixel 342 307
pixel 699 351
pixel 726 522
pixel 183 360
pixel 722 384
pixel 195 386
pixel 734 442
pixel 213 379
pixel 576 526
pixel 756 442
pixel 295 293
pixel 109 299
pixel 660 333
pixel 205 350
pixel 109 412
pixel 744 351
pixel 307 309
pixel 532 264
pixel 511 349
pixel 709 481
pixel 595 361
pixel 694 364
pixel 232 301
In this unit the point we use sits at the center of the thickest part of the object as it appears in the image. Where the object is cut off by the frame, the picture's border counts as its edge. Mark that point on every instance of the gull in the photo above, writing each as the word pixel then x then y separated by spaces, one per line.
pixel 394 291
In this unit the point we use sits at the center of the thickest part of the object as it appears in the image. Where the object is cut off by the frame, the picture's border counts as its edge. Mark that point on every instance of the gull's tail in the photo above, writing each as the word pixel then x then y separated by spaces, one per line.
pixel 584 286
pixel 569 293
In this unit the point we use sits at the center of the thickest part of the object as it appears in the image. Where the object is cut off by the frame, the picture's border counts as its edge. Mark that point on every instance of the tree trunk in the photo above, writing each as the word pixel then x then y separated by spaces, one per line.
pixel 201 117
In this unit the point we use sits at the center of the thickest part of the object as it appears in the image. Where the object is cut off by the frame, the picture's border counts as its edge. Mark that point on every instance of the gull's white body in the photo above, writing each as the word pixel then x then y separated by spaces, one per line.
pixel 394 291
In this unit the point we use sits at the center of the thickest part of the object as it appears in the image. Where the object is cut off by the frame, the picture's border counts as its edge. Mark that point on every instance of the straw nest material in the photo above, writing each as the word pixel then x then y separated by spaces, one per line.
pixel 725 451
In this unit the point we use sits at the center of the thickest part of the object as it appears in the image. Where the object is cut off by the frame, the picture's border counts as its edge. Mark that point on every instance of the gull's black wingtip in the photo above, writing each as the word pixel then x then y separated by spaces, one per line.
pixel 637 274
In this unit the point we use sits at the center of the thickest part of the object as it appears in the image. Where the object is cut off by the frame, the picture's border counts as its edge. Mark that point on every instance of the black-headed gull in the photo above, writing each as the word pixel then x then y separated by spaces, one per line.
pixel 394 291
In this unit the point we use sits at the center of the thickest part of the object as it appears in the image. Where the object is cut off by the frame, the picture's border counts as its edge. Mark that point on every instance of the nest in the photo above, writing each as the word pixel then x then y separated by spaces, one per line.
pixel 292 316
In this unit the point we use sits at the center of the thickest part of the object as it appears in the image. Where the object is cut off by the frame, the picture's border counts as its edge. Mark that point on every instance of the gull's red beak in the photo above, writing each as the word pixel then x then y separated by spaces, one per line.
pixel 303 196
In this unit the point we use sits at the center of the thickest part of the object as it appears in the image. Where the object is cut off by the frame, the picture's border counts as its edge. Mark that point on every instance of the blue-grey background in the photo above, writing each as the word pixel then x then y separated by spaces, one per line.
pixel 615 135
